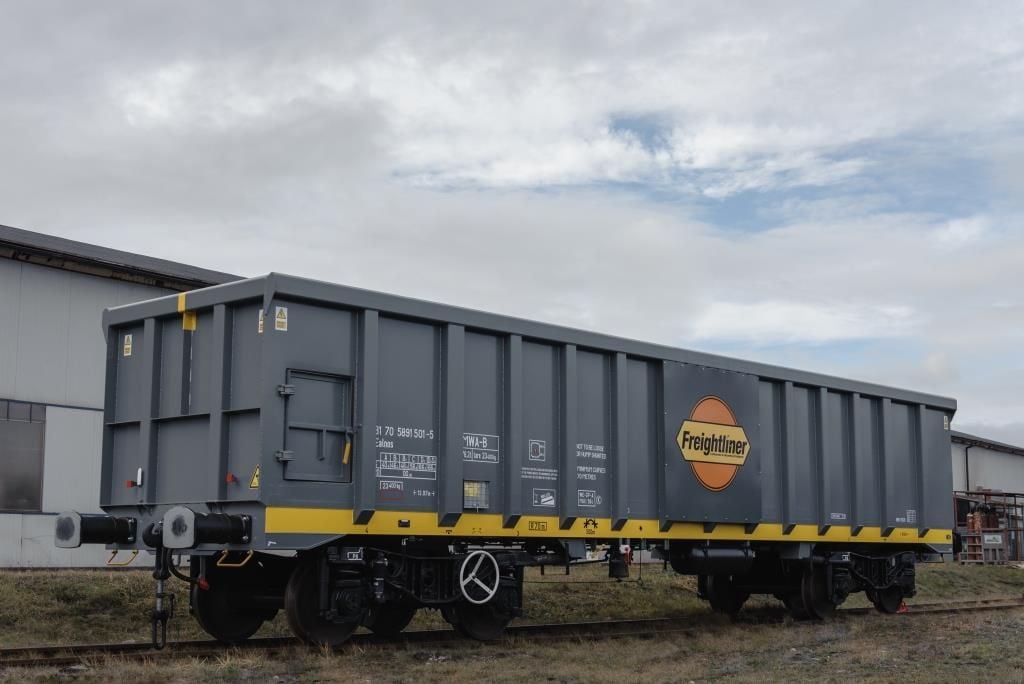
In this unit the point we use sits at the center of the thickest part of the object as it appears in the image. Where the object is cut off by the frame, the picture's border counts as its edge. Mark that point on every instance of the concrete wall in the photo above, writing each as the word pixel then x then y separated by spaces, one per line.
pixel 52 352
pixel 989 469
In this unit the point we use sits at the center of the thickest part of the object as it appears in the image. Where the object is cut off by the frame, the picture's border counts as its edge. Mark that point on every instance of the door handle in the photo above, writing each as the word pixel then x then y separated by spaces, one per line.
pixel 347 455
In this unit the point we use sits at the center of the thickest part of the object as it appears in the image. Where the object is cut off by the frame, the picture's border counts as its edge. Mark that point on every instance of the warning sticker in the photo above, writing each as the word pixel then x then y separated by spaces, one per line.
pixel 281 318
pixel 254 481
pixel 544 497
pixel 259 325
pixel 538 450
pixel 128 344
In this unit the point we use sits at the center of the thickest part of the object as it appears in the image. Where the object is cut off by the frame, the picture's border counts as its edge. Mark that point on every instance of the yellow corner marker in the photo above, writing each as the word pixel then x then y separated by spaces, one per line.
pixel 348 450
pixel 188 318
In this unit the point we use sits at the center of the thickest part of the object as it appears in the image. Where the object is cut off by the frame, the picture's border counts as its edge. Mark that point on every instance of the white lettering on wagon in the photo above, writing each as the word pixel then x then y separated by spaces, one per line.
pixel 386 434
pixel 477 448
pixel 596 455
pixel 529 473
pixel 406 466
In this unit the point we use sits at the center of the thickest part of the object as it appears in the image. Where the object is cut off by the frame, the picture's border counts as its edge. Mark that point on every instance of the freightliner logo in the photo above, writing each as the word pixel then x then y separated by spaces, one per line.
pixel 712 442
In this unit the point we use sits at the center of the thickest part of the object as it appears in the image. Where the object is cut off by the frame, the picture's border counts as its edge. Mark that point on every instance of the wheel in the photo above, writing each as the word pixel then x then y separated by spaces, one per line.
pixel 723 595
pixel 814 591
pixel 887 600
pixel 389 619
pixel 224 614
pixel 794 602
pixel 301 607
pixel 486 622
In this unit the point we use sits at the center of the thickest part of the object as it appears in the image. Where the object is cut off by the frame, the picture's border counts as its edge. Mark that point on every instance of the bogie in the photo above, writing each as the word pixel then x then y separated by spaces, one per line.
pixel 334 590
pixel 811 586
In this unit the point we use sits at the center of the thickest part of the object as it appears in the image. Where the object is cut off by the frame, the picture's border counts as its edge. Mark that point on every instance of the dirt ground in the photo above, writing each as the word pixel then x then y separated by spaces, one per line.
pixel 66 607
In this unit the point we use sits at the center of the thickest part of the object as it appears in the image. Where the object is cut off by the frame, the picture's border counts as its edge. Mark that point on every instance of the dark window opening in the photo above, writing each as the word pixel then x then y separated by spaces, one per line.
pixel 22 429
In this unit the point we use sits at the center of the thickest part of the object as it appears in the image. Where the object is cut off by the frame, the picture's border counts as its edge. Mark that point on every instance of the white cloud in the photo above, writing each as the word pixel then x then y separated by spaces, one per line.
pixel 747 103
pixel 769 322
pixel 962 232
pixel 159 97
pixel 464 153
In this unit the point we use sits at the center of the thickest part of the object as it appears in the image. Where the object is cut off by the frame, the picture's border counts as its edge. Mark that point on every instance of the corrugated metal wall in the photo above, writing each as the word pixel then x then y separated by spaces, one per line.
pixel 989 469
pixel 52 352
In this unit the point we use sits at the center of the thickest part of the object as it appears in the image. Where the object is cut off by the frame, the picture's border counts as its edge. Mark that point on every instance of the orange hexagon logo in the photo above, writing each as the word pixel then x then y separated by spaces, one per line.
pixel 712 442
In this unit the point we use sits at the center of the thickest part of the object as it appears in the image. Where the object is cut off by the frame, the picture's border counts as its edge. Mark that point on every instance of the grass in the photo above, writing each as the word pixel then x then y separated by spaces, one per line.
pixel 91 606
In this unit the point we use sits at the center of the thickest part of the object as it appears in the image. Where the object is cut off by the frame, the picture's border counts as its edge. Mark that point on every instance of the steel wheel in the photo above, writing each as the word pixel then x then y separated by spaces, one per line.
pixel 224 614
pixel 389 619
pixel 814 592
pixel 723 595
pixel 485 622
pixel 795 603
pixel 301 607
pixel 887 600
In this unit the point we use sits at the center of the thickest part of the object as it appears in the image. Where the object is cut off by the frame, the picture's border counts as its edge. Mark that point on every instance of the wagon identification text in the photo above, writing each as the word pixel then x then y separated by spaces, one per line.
pixel 477 448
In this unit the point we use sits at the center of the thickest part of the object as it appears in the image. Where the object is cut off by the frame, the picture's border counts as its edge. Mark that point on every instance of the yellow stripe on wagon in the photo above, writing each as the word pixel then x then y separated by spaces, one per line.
pixel 281 520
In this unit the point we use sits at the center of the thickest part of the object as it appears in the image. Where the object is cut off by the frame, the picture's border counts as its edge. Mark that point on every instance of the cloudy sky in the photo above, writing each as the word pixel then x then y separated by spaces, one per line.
pixel 833 186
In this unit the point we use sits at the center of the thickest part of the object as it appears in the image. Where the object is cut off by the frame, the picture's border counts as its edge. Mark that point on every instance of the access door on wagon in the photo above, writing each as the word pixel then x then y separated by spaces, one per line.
pixel 318 427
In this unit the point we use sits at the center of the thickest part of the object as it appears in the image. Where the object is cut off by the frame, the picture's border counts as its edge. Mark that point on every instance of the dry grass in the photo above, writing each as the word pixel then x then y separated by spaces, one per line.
pixel 857 648
pixel 99 606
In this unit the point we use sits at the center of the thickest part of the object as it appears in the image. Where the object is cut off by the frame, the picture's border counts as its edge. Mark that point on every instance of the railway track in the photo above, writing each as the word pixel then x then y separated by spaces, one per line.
pixel 67 655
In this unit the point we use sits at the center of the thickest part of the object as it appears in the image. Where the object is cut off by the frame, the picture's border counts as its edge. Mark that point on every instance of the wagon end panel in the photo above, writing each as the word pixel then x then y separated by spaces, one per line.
pixel 182 409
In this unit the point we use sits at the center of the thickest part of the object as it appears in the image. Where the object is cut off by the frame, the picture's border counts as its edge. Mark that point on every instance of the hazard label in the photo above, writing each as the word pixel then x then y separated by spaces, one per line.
pixel 254 481
pixel 281 318
pixel 128 344
pixel 259 325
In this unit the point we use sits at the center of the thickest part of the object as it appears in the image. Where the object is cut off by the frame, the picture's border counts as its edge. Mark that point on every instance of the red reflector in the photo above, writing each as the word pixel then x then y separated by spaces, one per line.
pixel 129 484
pixel 203 584
pixel 230 477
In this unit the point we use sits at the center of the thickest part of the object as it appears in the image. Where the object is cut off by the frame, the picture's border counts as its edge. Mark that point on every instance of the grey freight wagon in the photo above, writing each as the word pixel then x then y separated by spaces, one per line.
pixel 351 457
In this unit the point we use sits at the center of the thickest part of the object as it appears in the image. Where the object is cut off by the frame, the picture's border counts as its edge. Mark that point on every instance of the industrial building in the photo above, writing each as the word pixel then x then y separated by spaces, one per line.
pixel 52 355
pixel 988 495
pixel 984 464
pixel 52 293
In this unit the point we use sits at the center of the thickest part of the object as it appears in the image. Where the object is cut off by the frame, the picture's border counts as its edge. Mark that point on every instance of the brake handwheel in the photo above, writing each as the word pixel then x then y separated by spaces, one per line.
pixel 479 577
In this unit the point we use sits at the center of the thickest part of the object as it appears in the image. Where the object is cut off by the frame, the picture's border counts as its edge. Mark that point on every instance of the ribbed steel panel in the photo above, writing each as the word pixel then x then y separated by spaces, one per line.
pixel 571 431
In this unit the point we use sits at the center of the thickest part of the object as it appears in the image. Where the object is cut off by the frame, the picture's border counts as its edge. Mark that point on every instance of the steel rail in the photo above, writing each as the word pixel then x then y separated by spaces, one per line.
pixel 65 655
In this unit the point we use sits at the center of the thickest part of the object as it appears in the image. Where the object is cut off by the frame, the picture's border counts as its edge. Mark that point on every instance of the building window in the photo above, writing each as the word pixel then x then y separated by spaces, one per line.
pixel 22 428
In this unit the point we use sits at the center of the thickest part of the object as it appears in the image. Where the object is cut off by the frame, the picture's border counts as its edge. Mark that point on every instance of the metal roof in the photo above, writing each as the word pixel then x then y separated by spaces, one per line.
pixel 70 255
pixel 975 441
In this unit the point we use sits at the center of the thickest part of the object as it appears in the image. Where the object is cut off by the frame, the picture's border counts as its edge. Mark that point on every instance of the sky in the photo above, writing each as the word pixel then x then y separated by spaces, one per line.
pixel 837 187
